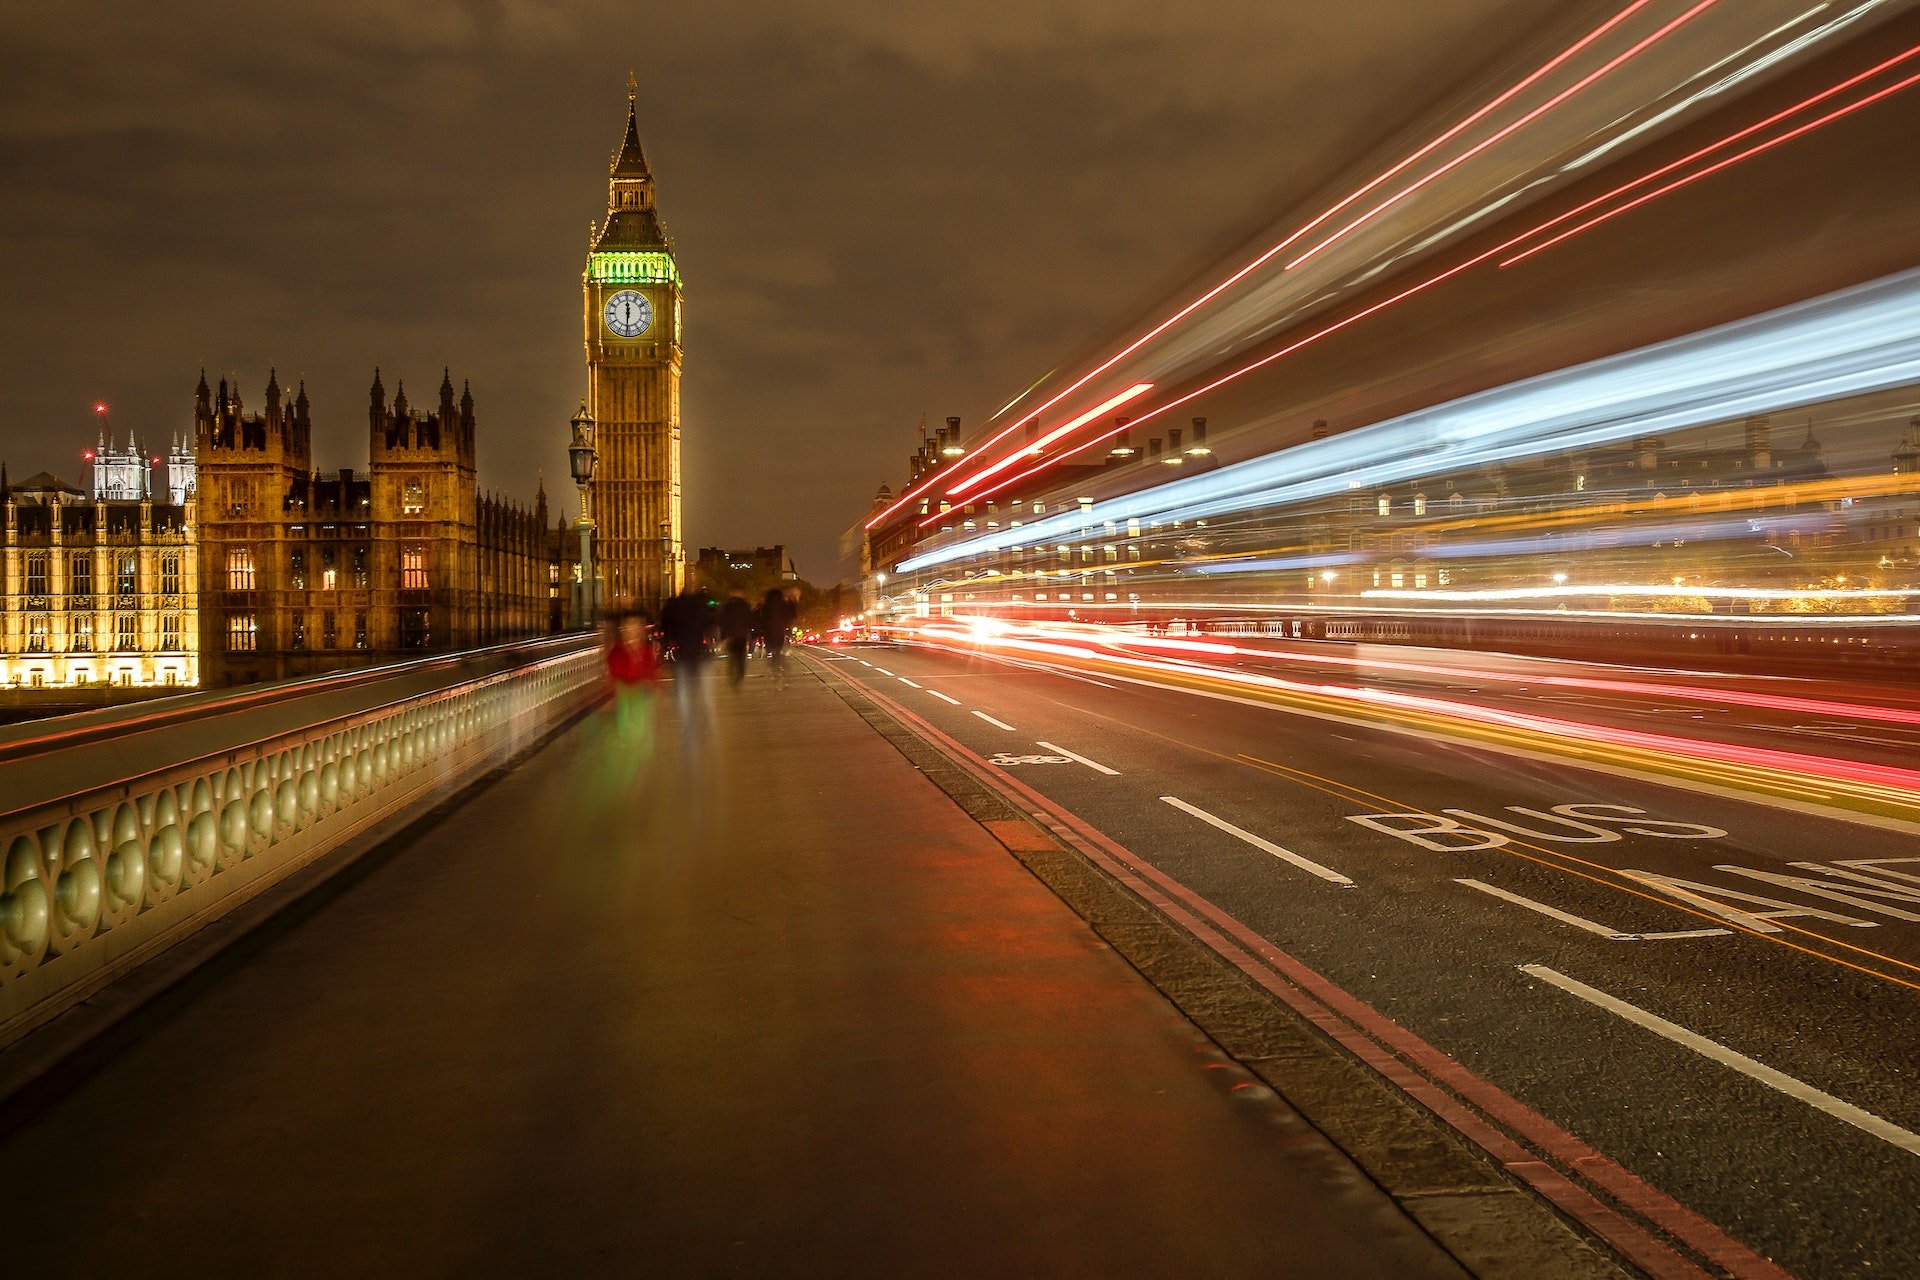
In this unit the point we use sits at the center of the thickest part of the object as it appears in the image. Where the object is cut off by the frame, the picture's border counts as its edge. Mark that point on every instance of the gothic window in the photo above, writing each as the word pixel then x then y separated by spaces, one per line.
pixel 329 631
pixel 125 636
pixel 82 570
pixel 37 573
pixel 360 575
pixel 413 628
pixel 243 633
pixel 127 579
pixel 1419 504
pixel 359 630
pixel 297 569
pixel 240 572
pixel 413 568
pixel 413 498
pixel 170 575
pixel 329 578
pixel 37 633
pixel 299 631
pixel 170 632
pixel 1384 505
pixel 82 633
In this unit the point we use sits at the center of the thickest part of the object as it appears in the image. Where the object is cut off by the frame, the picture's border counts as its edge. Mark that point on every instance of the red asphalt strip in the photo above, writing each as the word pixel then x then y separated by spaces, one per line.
pixel 1417 1068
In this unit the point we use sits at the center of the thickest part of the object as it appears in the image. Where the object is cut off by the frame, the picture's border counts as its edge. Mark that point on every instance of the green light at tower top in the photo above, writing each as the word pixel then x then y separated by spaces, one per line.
pixel 651 267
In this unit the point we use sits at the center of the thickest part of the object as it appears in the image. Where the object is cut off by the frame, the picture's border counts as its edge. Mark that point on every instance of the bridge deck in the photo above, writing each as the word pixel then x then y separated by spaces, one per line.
pixel 767 1003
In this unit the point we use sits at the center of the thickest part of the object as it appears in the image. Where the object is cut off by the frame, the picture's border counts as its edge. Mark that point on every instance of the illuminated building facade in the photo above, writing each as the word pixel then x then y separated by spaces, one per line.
pixel 631 317
pixel 303 572
pixel 100 591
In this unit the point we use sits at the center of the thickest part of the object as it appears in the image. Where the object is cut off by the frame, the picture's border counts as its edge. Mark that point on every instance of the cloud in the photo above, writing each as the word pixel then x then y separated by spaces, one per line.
pixel 882 209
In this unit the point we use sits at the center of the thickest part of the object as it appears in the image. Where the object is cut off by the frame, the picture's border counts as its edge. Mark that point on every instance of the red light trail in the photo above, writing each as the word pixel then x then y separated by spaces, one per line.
pixel 1504 97
pixel 1530 233
pixel 1510 129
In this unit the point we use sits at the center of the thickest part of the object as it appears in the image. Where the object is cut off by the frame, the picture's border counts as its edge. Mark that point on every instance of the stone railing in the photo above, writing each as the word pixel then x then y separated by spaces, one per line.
pixel 100 878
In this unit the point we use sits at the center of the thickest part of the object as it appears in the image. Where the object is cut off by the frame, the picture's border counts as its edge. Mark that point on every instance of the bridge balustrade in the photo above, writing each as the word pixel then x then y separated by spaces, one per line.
pixel 123 832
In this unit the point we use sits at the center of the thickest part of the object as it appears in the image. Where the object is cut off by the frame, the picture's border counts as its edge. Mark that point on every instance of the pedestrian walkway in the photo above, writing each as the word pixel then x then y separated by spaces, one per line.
pixel 753 1000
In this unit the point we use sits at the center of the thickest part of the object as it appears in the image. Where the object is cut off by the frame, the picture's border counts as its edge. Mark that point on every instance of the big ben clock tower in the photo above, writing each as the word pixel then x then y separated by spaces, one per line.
pixel 631 292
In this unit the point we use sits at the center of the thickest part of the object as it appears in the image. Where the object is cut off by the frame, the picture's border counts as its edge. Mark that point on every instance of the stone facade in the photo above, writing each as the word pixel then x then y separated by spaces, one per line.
pixel 303 572
pixel 96 592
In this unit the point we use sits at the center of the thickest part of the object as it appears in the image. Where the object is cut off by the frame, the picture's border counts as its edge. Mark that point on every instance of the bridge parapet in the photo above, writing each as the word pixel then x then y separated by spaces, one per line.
pixel 123 832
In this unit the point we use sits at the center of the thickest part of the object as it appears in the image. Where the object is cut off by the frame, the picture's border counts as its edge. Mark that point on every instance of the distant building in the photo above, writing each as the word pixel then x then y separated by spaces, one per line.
pixel 753 573
pixel 128 475
pixel 100 591
pixel 305 572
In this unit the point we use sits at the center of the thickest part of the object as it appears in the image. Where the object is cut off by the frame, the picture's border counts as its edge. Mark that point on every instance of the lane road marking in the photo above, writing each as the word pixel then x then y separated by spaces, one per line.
pixel 943 697
pixel 1285 855
pixel 1095 765
pixel 1800 1089
pixel 1579 922
pixel 998 724
pixel 910 684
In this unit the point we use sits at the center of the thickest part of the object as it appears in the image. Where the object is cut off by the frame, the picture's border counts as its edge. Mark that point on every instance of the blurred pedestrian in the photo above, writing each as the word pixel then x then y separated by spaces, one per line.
pixel 736 630
pixel 776 625
pixel 686 628
pixel 633 667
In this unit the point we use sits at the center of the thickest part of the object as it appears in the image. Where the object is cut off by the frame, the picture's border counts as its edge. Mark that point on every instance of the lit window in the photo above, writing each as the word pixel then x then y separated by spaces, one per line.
pixel 413 568
pixel 125 637
pixel 37 633
pixel 240 570
pixel 82 633
pixel 329 579
pixel 1385 505
pixel 1419 504
pixel 413 498
pixel 170 631
pixel 243 633
pixel 297 569
pixel 170 575
pixel 128 577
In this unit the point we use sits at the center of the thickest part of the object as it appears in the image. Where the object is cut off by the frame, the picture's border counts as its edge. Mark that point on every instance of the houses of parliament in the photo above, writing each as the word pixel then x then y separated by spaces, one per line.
pixel 232 560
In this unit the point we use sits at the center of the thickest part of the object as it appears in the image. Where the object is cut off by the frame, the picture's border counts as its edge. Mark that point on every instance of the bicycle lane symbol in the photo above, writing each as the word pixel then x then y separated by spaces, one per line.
pixel 1007 760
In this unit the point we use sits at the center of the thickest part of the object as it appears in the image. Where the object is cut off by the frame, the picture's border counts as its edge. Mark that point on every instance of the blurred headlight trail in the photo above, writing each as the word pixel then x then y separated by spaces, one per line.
pixel 1852 342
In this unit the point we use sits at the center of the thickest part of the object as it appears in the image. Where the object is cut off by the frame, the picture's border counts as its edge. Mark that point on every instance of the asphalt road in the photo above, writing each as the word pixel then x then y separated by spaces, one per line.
pixel 1576 936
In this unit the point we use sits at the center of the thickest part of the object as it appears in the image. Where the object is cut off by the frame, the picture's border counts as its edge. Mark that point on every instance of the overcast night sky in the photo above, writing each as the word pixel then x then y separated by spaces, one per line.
pixel 881 209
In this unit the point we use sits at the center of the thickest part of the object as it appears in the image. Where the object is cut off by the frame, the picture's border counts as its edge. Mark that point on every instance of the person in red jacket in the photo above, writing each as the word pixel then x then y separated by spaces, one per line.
pixel 633 667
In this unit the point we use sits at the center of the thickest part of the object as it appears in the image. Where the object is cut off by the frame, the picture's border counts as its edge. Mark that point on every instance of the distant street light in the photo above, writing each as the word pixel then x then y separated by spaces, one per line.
pixel 580 460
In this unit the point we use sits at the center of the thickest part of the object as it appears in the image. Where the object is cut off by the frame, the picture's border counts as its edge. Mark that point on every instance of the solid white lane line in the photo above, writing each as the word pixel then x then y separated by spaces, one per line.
pixel 998 724
pixel 1095 765
pixel 882 670
pixel 1552 912
pixel 943 697
pixel 1865 1121
pixel 910 684
pixel 1285 855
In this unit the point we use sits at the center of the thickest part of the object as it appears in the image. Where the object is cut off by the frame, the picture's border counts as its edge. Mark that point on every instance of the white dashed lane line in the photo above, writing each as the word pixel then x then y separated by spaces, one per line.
pixel 1095 765
pixel 882 670
pixel 1266 846
pixel 1865 1121
pixel 910 684
pixel 998 724
pixel 943 697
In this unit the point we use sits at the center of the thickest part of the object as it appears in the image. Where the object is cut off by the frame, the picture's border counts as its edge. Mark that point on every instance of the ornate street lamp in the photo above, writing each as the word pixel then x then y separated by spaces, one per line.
pixel 667 584
pixel 580 460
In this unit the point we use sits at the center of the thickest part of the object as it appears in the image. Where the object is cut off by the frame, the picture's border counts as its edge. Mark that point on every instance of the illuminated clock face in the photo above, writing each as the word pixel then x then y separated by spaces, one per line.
pixel 629 313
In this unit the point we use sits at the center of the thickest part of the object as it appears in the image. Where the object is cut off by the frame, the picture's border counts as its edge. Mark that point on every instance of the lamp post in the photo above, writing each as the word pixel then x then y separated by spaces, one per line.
pixel 580 460
pixel 667 575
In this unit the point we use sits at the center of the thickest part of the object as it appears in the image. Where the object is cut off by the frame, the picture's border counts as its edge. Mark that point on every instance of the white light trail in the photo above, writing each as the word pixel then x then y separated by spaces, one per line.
pixel 1853 342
